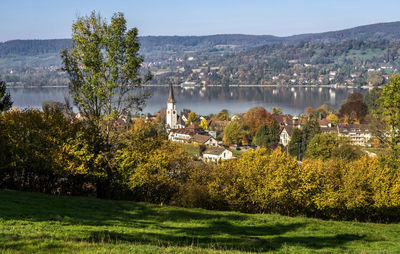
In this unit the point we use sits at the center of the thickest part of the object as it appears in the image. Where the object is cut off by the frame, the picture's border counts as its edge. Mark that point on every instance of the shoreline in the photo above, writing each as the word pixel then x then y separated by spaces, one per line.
pixel 252 86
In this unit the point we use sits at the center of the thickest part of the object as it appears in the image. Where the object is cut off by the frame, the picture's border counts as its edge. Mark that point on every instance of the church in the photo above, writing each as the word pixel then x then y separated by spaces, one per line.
pixel 173 121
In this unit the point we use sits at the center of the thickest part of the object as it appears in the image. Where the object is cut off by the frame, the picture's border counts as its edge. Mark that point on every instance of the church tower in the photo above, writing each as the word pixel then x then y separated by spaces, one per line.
pixel 172 116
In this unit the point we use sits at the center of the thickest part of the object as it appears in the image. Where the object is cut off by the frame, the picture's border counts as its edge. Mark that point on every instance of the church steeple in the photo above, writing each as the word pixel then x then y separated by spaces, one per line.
pixel 171 98
pixel 172 116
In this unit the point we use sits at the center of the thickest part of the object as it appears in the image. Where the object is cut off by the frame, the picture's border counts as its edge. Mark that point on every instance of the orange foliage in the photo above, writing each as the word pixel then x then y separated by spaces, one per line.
pixel 256 117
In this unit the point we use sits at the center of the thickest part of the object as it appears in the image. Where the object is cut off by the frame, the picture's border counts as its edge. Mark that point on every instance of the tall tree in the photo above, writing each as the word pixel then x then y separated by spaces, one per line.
pixel 5 98
pixel 103 67
pixel 267 136
pixel 390 107
pixel 295 144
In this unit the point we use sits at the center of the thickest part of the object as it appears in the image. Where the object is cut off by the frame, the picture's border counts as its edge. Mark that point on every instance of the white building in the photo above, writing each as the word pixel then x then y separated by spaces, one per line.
pixel 171 114
pixel 216 154
pixel 285 135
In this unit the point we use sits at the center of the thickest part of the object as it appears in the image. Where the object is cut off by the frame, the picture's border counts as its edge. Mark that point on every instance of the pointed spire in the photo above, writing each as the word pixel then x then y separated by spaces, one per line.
pixel 171 98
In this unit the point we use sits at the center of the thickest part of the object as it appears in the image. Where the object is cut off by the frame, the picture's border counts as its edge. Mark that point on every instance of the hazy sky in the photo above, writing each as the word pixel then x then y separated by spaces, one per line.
pixel 48 19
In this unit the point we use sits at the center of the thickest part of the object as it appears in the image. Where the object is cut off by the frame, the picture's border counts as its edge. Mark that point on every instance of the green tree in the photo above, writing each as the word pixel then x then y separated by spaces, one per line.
pixel 223 115
pixel 371 99
pixel 296 144
pixel 103 67
pixel 192 118
pixel 276 110
pixel 267 136
pixel 233 133
pixel 329 145
pixel 390 107
pixel 374 78
pixel 5 98
pixel 301 138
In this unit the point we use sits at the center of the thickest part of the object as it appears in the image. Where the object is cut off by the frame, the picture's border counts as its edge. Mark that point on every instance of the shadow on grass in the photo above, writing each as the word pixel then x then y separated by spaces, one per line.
pixel 159 226
pixel 246 243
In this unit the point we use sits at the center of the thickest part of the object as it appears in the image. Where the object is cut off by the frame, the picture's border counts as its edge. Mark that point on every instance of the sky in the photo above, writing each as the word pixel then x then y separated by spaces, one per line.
pixel 52 19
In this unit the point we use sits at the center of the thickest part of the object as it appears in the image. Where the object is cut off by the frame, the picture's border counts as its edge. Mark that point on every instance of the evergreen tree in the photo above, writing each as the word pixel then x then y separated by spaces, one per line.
pixel 296 144
pixel 5 98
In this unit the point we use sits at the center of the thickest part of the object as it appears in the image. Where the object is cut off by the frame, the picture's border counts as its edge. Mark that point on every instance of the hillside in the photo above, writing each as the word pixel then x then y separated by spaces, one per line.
pixel 39 223
pixel 389 30
pixel 232 59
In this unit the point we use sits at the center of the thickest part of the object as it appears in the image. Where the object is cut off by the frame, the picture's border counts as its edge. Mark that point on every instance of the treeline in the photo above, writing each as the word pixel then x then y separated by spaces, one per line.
pixel 33 47
pixel 48 152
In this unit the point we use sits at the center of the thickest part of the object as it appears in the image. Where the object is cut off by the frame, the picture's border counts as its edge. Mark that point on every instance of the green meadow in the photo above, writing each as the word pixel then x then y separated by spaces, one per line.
pixel 40 223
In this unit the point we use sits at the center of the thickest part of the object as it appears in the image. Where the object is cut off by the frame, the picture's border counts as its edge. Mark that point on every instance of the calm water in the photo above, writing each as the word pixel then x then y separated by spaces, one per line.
pixel 211 99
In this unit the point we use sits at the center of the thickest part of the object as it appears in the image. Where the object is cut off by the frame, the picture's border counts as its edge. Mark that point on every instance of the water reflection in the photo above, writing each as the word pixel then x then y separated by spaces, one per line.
pixel 211 99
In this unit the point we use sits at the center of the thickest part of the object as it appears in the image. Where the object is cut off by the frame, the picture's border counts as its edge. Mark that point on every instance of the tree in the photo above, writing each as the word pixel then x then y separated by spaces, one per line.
pixel 354 108
pixel 374 78
pixel 255 117
pixel 295 144
pixel 223 115
pixel 390 107
pixel 103 68
pixel 301 138
pixel 233 133
pixel 5 98
pixel 276 111
pixel 192 118
pixel 267 136
pixel 371 99
pixel 333 118
pixel 204 124
pixel 329 145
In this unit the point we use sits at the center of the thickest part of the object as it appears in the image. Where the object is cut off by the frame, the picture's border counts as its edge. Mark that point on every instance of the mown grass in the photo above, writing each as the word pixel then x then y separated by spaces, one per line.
pixel 39 223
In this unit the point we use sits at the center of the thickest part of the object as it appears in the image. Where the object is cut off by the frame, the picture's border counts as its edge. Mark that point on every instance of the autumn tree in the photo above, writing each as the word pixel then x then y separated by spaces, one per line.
pixel 256 117
pixel 5 98
pixel 354 108
pixel 333 118
pixel 204 124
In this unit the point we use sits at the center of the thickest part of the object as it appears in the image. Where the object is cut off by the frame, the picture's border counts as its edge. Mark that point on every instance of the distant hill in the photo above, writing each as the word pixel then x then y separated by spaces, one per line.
pixel 211 42
pixel 33 47
pixel 389 30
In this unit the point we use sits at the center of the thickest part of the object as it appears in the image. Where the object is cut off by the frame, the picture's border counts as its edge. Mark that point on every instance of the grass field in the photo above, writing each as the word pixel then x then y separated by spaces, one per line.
pixel 39 223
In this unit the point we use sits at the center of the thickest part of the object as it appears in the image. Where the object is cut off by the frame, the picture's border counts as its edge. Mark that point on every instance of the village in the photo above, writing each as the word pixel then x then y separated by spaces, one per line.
pixel 214 146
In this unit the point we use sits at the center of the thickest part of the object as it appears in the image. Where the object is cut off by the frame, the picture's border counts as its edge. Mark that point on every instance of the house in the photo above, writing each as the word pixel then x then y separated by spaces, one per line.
pixel 324 123
pixel 358 134
pixel 216 154
pixel 284 120
pixel 286 133
pixel 205 140
pixel 185 135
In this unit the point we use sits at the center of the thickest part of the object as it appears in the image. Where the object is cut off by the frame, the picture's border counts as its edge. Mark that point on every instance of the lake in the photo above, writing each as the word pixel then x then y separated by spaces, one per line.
pixel 206 100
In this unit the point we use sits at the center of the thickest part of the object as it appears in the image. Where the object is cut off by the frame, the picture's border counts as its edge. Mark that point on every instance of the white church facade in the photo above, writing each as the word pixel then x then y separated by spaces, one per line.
pixel 172 119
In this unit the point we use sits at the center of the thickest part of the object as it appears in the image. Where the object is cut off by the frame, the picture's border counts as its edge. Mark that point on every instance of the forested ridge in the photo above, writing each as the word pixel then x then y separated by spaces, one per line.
pixel 360 56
